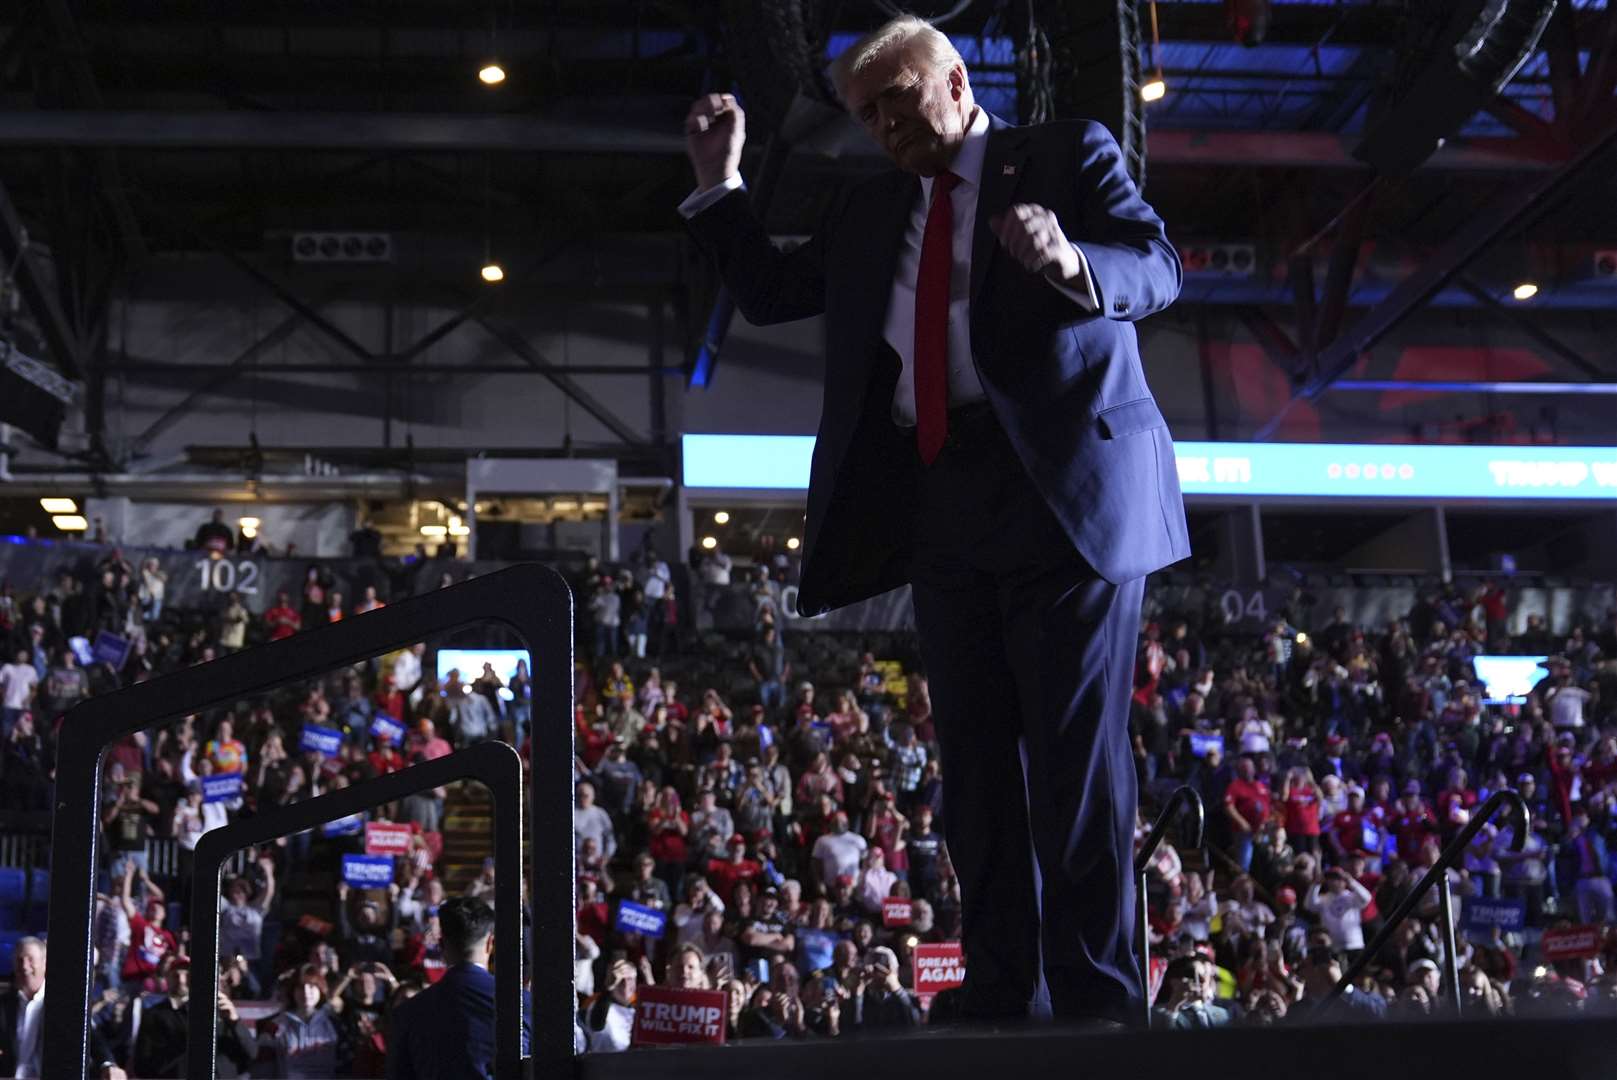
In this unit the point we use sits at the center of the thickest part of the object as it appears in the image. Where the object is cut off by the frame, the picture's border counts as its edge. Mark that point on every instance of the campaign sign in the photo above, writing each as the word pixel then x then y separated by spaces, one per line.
pixel 1154 977
pixel 368 871
pixel 1571 943
pixel 636 918
pixel 664 1015
pixel 1200 744
pixel 896 911
pixel 327 741
pixel 384 726
pixel 938 968
pixel 1507 914
pixel 111 649
pixel 382 838
pixel 221 788
pixel 351 825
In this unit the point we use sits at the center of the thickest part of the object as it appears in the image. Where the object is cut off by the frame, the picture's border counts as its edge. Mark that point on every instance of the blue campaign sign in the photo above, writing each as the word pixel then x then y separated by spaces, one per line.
pixel 1200 744
pixel 1507 914
pixel 352 825
pixel 368 871
pixel 1317 470
pixel 111 649
pixel 636 918
pixel 384 726
pixel 221 788
pixel 327 741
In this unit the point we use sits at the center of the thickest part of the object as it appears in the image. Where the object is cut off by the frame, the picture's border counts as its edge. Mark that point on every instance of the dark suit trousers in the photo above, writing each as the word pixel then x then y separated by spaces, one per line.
pixel 1029 655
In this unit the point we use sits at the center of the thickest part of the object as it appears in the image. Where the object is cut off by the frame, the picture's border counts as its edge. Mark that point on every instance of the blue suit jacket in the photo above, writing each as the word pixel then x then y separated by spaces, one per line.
pixel 446 1032
pixel 1066 384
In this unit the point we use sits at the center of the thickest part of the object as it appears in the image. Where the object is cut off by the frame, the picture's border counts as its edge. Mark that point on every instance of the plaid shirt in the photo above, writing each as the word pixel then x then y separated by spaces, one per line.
pixel 908 764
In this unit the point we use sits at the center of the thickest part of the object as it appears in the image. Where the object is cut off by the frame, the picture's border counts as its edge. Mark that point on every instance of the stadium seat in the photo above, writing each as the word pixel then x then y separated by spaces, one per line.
pixel 8 947
pixel 13 885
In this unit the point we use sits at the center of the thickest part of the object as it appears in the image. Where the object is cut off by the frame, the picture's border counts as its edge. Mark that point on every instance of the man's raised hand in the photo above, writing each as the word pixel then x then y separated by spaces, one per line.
pixel 715 130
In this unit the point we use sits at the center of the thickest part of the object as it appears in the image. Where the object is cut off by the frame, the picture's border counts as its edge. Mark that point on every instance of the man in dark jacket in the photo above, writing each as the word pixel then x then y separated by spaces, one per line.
pixel 884 1003
pixel 160 1047
pixel 446 1032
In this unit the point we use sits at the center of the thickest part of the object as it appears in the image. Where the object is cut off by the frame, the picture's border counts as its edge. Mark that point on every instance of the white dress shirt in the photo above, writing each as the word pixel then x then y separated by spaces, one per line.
pixel 899 327
pixel 30 1026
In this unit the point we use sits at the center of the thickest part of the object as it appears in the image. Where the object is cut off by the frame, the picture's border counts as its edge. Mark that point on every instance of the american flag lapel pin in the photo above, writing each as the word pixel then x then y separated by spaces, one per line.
pixel 1010 170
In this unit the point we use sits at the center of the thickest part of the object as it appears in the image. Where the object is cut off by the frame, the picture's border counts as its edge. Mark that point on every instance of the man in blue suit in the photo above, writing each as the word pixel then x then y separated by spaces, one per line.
pixel 446 1032
pixel 987 436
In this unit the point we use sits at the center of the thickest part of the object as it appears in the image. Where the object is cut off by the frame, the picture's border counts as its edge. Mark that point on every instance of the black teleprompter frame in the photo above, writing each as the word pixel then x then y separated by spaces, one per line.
pixel 530 599
pixel 494 763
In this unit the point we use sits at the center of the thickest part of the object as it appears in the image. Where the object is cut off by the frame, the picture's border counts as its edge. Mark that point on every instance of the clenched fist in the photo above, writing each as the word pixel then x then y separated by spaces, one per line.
pixel 1034 238
pixel 715 130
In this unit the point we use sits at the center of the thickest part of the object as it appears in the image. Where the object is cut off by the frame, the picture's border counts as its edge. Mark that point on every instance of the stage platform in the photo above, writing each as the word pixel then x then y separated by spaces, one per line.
pixel 1581 1049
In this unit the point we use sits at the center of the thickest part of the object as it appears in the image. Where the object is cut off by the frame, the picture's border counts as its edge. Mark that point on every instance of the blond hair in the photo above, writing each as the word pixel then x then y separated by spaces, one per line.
pixel 924 43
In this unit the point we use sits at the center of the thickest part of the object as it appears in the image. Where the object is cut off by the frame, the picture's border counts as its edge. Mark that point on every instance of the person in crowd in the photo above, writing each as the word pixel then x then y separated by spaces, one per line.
pixel 282 620
pixel 1188 998
pixel 1321 970
pixel 448 1028
pixel 879 998
pixel 303 1037
pixel 22 1019
pixel 214 536
pixel 161 1041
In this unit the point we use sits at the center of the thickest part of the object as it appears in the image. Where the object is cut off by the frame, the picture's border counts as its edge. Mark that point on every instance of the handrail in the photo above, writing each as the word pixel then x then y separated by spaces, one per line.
pixel 1439 872
pixel 530 599
pixel 1183 798
pixel 496 764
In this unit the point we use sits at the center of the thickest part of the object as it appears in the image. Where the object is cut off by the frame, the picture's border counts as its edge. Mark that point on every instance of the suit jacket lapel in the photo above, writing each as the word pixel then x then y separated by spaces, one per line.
pixel 1002 172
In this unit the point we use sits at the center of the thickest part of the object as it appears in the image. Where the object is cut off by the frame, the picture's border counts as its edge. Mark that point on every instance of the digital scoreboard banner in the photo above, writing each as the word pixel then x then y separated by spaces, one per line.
pixel 1307 470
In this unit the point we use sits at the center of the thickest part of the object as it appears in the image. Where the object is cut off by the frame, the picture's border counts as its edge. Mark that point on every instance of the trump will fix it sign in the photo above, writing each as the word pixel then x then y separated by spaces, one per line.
pixel 663 1014
pixel 938 968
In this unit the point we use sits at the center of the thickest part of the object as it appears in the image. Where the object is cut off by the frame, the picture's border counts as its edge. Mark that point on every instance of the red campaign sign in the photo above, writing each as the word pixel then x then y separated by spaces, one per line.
pixel 384 839
pixel 1571 943
pixel 896 911
pixel 664 1015
pixel 938 968
pixel 1159 971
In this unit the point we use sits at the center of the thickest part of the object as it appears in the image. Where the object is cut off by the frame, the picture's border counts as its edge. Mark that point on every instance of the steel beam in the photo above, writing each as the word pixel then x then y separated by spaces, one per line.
pixel 1560 43
pixel 220 375
pixel 382 367
pixel 1546 340
pixel 354 132
pixel 103 159
pixel 284 293
pixel 562 381
pixel 1513 211
pixel 1600 79
pixel 37 293
pixel 459 133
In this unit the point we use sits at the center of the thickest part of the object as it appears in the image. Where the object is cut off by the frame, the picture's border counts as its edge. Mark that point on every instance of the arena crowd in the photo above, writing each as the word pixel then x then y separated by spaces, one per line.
pixel 767 796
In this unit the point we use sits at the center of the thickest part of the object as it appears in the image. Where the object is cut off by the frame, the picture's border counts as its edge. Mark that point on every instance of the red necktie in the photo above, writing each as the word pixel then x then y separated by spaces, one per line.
pixel 932 321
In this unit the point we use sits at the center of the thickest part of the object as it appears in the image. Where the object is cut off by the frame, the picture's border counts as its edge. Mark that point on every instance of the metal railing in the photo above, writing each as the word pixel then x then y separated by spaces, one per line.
pixel 1439 875
pixel 496 764
pixel 531 600
pixel 1184 798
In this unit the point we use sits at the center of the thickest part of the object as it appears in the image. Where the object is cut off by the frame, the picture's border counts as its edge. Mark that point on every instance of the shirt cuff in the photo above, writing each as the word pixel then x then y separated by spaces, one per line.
pixel 700 200
pixel 1080 288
